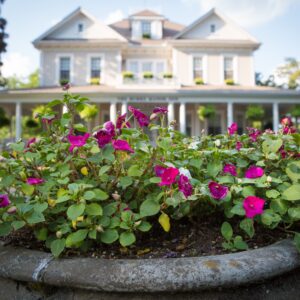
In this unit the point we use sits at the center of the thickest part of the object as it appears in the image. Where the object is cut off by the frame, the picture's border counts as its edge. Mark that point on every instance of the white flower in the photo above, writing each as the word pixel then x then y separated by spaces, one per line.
pixel 269 179
pixel 194 145
pixel 185 172
pixel 217 143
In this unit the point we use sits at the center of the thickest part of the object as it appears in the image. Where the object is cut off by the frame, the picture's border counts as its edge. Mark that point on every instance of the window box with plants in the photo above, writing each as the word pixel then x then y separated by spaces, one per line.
pixel 64 82
pixel 146 36
pixel 93 198
pixel 167 75
pixel 95 81
pixel 128 76
pixel 199 81
pixel 229 81
pixel 148 75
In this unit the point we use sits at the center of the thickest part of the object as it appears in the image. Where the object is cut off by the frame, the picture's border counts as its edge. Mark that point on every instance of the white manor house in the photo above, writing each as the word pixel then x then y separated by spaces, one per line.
pixel 147 60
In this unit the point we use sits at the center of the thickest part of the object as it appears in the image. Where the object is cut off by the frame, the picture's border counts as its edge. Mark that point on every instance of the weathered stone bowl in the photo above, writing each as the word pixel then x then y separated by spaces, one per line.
pixel 171 275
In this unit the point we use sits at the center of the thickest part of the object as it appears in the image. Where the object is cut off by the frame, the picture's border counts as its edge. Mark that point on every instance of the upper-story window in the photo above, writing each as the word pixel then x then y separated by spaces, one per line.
pixel 198 67
pixel 133 67
pixel 146 29
pixel 228 68
pixel 80 27
pixel 95 67
pixel 212 28
pixel 65 68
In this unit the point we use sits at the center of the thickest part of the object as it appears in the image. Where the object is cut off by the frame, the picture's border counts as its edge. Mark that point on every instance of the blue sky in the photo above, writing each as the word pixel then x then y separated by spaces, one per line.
pixel 276 23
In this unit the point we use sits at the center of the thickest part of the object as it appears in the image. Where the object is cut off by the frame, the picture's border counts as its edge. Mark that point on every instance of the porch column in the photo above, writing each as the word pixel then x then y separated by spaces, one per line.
pixel 124 108
pixel 275 116
pixel 229 113
pixel 113 112
pixel 182 118
pixel 171 112
pixel 18 120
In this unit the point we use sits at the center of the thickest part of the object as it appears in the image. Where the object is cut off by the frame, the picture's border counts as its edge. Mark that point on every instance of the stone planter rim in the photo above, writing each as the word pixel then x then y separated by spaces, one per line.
pixel 150 275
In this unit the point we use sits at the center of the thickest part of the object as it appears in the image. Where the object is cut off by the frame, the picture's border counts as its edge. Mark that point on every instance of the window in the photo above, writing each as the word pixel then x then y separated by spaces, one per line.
pixel 64 68
pixel 95 67
pixel 80 27
pixel 133 67
pixel 146 29
pixel 160 68
pixel 212 28
pixel 198 67
pixel 228 68
pixel 147 66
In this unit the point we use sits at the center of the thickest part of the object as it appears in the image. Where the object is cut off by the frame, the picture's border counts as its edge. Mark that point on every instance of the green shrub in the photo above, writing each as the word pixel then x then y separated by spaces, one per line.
pixel 146 36
pixel 95 81
pixel 148 75
pixel 206 112
pixel 229 82
pixel 198 81
pixel 255 112
pixel 77 191
pixel 63 82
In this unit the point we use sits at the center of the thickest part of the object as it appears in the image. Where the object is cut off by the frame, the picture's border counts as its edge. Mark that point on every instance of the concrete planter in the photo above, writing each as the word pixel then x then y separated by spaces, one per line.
pixel 189 274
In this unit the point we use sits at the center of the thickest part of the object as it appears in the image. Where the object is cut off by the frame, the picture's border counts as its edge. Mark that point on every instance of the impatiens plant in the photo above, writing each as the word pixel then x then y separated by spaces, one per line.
pixel 75 188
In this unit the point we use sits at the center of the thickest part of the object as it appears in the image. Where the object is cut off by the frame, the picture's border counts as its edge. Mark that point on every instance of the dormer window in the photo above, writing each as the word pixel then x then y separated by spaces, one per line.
pixel 146 29
pixel 212 28
pixel 80 27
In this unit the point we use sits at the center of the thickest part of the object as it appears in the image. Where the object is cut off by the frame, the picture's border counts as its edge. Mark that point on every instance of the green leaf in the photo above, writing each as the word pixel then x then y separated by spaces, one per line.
pixel 75 211
pixel 247 226
pixel 239 243
pixel 292 193
pixel 109 236
pixel 100 195
pixel 144 226
pixel 94 209
pixel 126 182
pixel 27 189
pixel 213 168
pixel 35 217
pixel 5 228
pixel 272 194
pixel 41 234
pixel 149 208
pixel 248 191
pixel 238 209
pixel 76 237
pixel 271 146
pixel 270 218
pixel 279 206
pixel 104 170
pixel 226 231
pixel 155 179
pixel 89 195
pixel 297 240
pixel 57 247
pixel 294 213
pixel 135 171
pixel 197 163
pixel 108 153
pixel 18 224
pixel 127 238
pixel 293 171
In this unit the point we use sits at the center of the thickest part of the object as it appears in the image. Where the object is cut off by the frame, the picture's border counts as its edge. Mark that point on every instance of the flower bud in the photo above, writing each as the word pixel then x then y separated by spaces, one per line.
pixel 137 223
pixel 84 171
pixel 12 210
pixel 217 143
pixel 59 234
pixel 239 180
pixel 116 196
pixel 99 228
pixel 269 179
pixel 153 116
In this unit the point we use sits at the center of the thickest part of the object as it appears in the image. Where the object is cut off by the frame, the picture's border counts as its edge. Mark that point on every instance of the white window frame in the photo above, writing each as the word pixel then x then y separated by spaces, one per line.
pixel 234 65
pixel 142 27
pixel 57 64
pixel 151 60
pixel 204 66
pixel 89 66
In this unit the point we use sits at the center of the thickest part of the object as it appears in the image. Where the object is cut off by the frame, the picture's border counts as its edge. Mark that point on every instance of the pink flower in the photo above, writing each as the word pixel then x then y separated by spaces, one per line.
pixel 253 206
pixel 30 141
pixel 289 130
pixel 122 146
pixel 169 175
pixel 254 172
pixel 217 191
pixel 159 170
pixel 77 140
pixel 230 169
pixel 286 121
pixel 110 127
pixel 34 181
pixel 121 122
pixel 160 110
pixel 253 133
pixel 4 200
pixel 185 186
pixel 103 137
pixel 142 119
pixel 238 145
pixel 232 129
pixel 66 87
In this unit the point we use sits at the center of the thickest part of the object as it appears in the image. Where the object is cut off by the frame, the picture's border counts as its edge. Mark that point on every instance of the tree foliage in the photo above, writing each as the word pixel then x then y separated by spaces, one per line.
pixel 290 72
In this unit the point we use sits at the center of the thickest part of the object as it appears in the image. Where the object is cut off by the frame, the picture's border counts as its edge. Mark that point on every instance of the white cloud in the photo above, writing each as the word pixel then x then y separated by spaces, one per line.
pixel 114 16
pixel 16 63
pixel 248 13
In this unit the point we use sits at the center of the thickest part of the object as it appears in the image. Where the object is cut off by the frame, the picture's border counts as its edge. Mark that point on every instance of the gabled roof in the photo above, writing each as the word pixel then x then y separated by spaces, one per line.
pixel 146 13
pixel 72 15
pixel 210 13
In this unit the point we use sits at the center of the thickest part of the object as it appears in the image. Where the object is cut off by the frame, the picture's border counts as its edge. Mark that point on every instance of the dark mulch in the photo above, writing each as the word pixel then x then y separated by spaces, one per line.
pixel 198 238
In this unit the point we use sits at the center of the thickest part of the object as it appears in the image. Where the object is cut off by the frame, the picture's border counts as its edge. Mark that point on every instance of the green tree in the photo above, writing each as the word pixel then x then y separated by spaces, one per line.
pixel 32 81
pixel 290 72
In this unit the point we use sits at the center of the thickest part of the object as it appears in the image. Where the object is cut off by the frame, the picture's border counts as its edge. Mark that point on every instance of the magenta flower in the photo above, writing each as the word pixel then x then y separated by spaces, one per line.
pixel 122 146
pixel 66 87
pixel 30 141
pixel 169 175
pixel 4 200
pixel 253 133
pixel 238 145
pixel 106 134
pixel 159 170
pixel 217 191
pixel 34 181
pixel 230 169
pixel 77 141
pixel 160 110
pixel 253 206
pixel 121 122
pixel 232 129
pixel 254 172
pixel 48 120
pixel 141 118
pixel 185 186
pixel 110 127
pixel 289 130
pixel 286 121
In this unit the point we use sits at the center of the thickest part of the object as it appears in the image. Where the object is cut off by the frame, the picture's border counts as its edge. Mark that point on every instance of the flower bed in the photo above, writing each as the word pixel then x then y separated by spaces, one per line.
pixel 75 189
